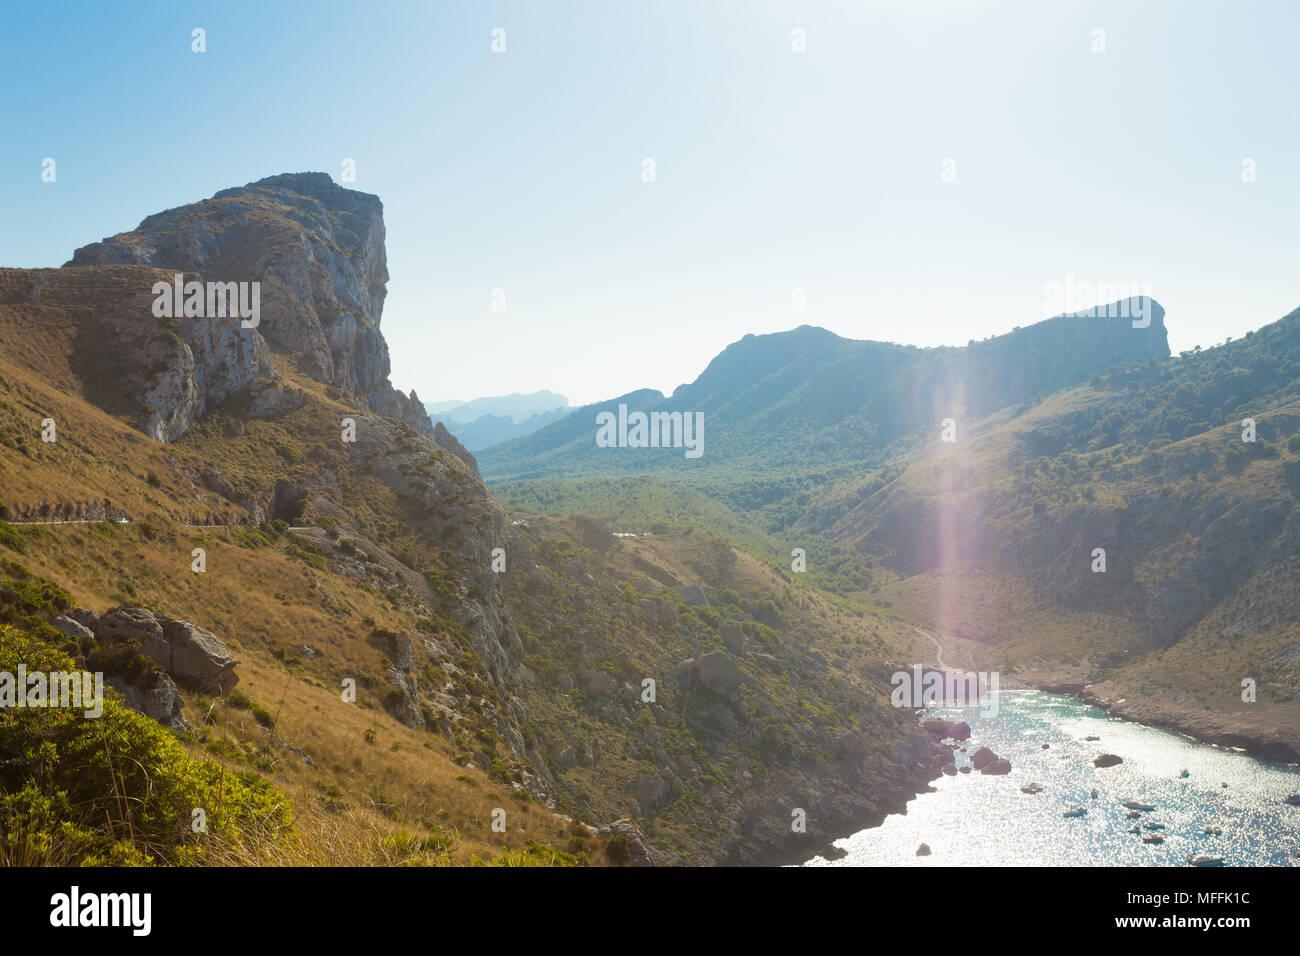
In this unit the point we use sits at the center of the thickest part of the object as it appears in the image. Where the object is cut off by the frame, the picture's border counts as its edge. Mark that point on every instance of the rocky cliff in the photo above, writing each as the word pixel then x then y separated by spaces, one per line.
pixel 317 252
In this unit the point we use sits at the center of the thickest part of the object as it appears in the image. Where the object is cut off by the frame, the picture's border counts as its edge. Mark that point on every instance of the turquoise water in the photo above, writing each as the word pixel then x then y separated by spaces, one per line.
pixel 974 820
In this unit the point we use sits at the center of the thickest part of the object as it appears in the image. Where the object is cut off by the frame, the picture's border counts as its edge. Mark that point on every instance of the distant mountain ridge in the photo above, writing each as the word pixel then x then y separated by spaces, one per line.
pixel 807 396
pixel 489 430
pixel 484 422
pixel 516 406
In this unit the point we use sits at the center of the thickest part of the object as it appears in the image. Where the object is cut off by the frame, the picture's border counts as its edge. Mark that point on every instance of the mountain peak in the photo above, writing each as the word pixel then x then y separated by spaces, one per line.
pixel 315 252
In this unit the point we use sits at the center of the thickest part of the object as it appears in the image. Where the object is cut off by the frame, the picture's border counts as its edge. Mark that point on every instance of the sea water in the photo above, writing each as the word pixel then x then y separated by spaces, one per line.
pixel 976 820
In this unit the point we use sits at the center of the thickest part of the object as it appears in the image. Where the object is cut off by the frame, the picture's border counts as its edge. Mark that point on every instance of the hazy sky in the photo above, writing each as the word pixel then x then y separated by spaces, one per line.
pixel 775 170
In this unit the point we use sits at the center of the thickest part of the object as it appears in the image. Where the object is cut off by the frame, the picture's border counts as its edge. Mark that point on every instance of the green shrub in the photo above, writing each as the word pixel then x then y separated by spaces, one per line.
pixel 27 600
pixel 116 790
pixel 11 539
pixel 618 851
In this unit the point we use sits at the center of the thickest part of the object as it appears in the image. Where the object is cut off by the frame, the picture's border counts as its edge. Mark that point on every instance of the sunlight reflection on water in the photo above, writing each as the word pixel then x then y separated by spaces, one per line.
pixel 974 820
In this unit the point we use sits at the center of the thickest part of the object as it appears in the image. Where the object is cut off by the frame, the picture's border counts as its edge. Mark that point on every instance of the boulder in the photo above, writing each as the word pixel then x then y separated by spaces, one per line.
pixel 651 794
pixel 85 617
pixel 160 701
pixel 732 636
pixel 1107 760
pixel 718 672
pixel 597 682
pixel 982 758
pixel 186 651
pixel 70 627
pixel 137 625
pixel 960 731
pixel 923 850
pixel 200 657
pixel 914 748
pixel 997 767
pixel 938 729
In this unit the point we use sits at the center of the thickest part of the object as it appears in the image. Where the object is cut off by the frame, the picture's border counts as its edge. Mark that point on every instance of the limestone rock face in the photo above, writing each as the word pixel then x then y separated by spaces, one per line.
pixel 455 508
pixel 71 627
pixel 317 250
pixel 186 651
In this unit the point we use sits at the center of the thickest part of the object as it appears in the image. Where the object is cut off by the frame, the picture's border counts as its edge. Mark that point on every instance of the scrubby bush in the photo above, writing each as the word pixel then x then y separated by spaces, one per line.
pixel 117 789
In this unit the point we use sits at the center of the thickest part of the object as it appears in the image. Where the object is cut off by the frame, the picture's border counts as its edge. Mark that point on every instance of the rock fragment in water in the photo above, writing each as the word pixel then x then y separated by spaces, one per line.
pixel 1107 760
pixel 923 850
pixel 982 757
pixel 939 729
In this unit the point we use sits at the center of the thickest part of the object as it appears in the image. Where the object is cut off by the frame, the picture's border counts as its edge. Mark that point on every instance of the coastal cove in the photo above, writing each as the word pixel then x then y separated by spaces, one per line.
pixel 972 819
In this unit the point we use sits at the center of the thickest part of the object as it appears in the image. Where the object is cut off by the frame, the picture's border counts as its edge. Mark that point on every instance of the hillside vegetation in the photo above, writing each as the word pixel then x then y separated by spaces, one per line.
pixel 989 539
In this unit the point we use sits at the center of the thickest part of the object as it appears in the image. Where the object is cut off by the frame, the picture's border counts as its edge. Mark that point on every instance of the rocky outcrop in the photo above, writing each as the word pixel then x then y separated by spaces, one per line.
pixel 71 627
pixel 1107 760
pixel 982 758
pixel 316 251
pixel 628 837
pixel 387 400
pixel 716 672
pixel 939 729
pixel 162 374
pixel 447 440
pixel 156 697
pixel 187 652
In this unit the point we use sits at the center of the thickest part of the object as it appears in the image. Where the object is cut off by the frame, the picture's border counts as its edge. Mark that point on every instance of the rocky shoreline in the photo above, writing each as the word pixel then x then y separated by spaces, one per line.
pixel 933 759
pixel 822 844
pixel 1257 736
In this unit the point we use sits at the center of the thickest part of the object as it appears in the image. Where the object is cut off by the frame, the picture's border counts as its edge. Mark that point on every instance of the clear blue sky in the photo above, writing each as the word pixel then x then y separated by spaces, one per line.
pixel 775 170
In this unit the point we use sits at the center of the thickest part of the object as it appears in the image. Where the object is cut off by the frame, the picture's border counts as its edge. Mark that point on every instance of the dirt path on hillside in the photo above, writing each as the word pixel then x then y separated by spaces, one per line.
pixel 938 648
